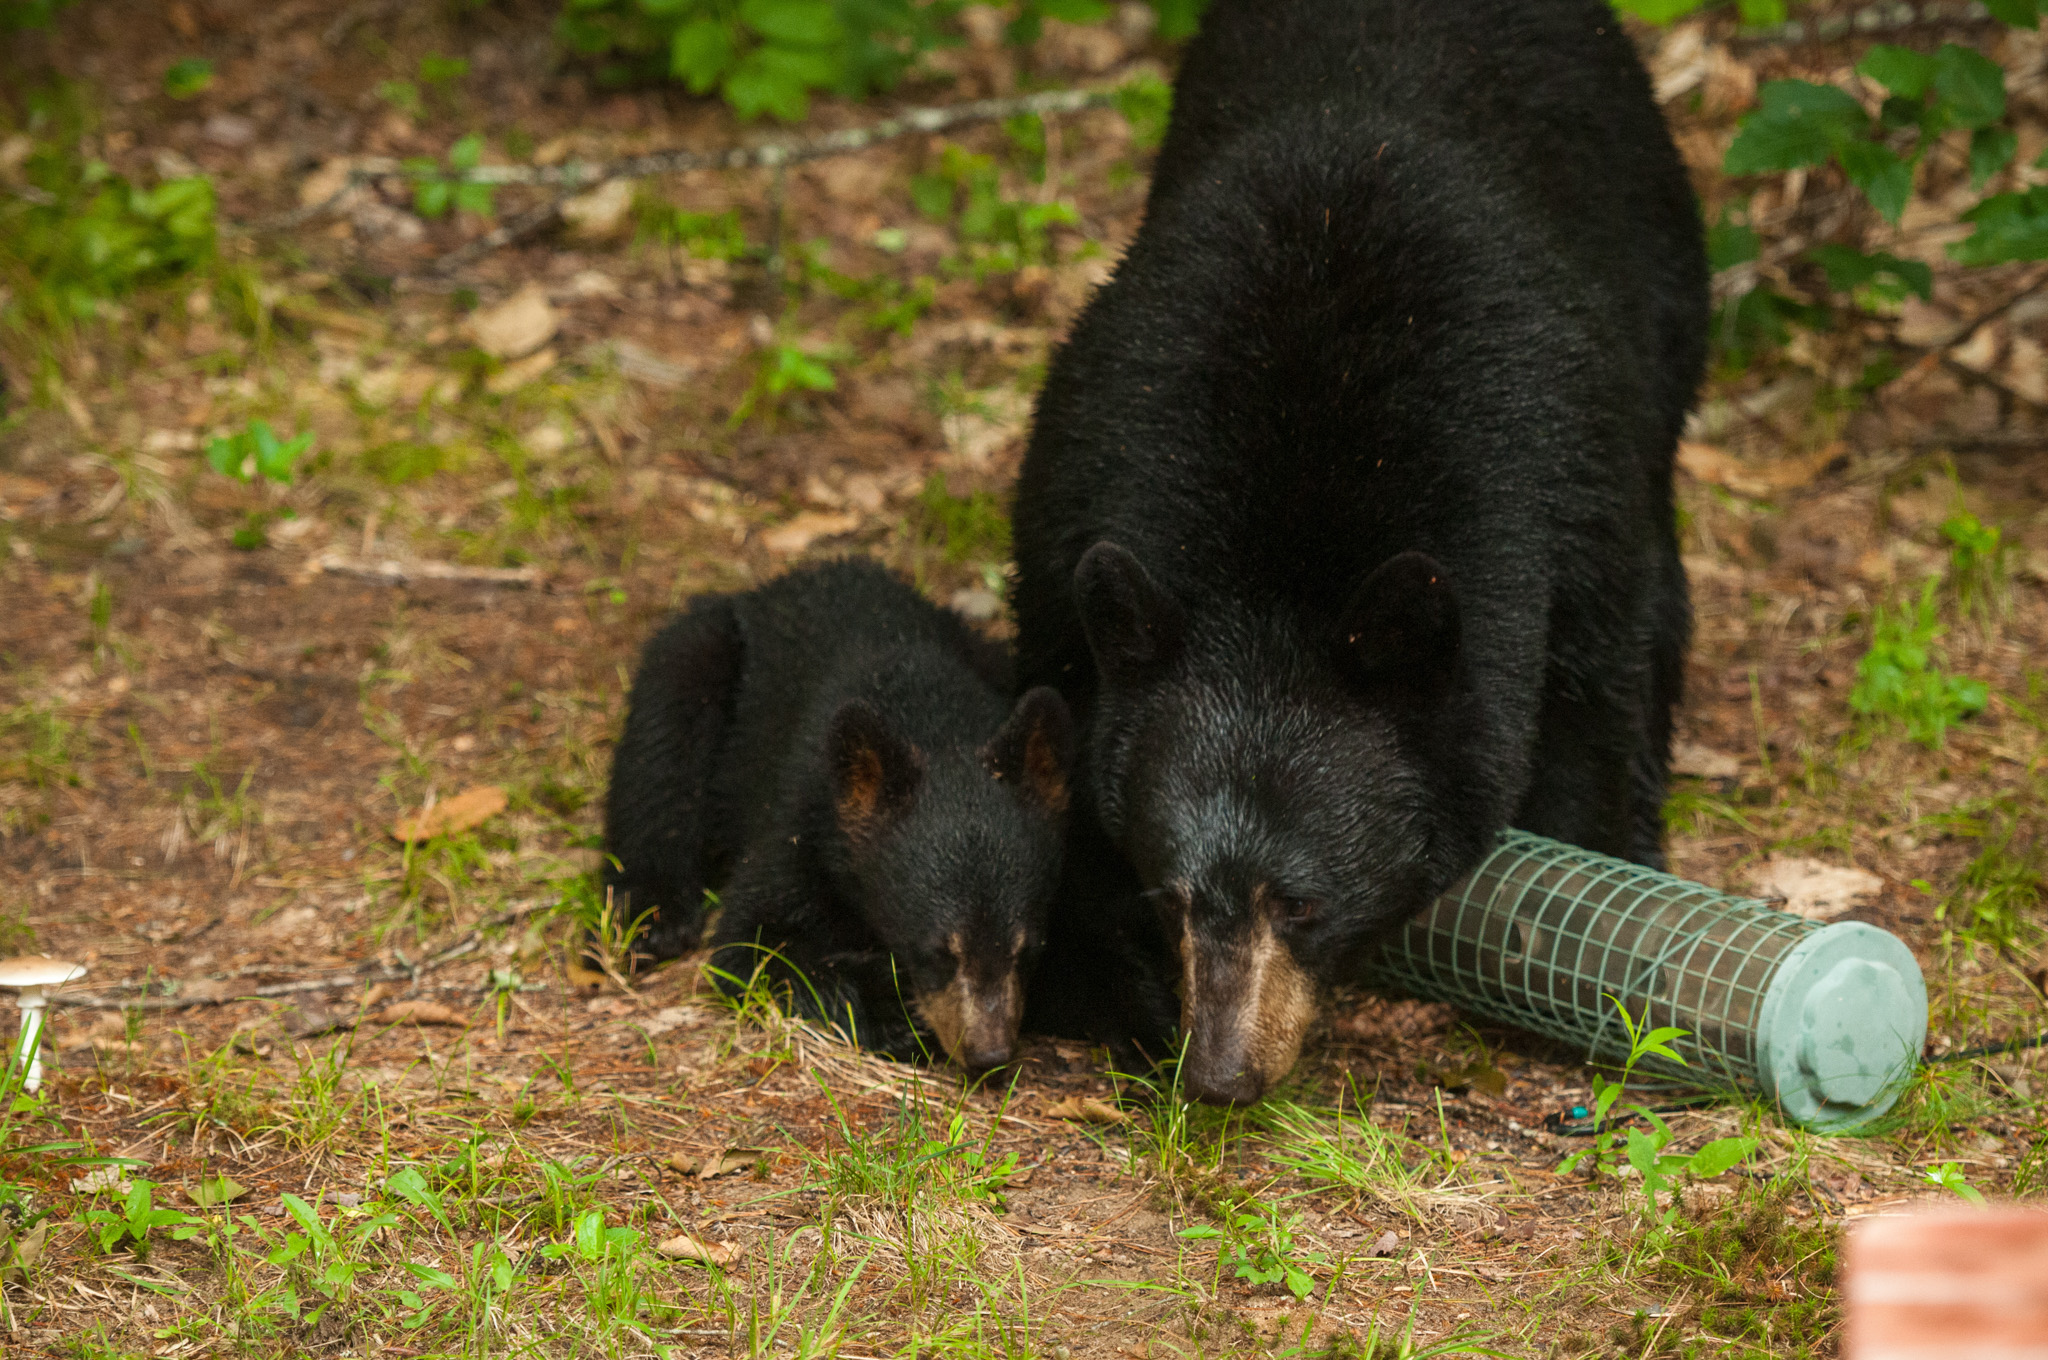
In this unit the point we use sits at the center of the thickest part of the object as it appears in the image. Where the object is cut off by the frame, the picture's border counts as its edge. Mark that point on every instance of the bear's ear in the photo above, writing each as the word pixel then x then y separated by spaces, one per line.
pixel 1402 627
pixel 1134 628
pixel 1035 749
pixel 875 772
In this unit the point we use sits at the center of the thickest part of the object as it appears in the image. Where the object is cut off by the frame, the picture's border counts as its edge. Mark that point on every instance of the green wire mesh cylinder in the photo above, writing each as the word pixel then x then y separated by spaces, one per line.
pixel 1825 1020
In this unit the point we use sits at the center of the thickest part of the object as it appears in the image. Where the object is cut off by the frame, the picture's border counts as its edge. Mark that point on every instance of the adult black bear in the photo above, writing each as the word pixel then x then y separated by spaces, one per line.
pixel 841 755
pixel 1346 525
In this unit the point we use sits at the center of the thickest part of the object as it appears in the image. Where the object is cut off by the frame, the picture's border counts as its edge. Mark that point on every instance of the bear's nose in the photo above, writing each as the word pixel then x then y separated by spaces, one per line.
pixel 982 1056
pixel 1224 1088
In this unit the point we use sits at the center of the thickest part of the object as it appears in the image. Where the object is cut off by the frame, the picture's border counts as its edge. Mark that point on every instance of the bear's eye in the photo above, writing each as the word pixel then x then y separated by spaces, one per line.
pixel 1297 911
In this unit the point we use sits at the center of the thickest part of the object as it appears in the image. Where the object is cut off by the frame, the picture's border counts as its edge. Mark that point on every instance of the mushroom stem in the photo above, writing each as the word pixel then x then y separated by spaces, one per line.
pixel 31 1047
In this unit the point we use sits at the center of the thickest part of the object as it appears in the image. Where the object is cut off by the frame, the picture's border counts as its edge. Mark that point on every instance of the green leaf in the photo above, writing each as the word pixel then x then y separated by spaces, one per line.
pixel 1200 1232
pixel 2018 13
pixel 303 1213
pixel 1796 123
pixel 1178 18
pixel 1877 170
pixel 700 53
pixel 475 198
pixel 1729 245
pixel 757 86
pixel 1849 270
pixel 431 197
pixel 1971 86
pixel 1642 1154
pixel 2009 227
pixel 1720 1155
pixel 1899 69
pixel 192 76
pixel 799 23
pixel 466 152
pixel 1991 150
pixel 432 1276
pixel 1760 13
pixel 1299 1284
pixel 225 456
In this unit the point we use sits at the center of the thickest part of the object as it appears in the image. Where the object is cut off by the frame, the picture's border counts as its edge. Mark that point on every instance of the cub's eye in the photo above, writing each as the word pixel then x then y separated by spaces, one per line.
pixel 1297 911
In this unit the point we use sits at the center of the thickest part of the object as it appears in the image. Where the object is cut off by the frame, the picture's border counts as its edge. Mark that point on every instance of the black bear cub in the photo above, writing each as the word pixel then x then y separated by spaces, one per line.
pixel 838 757
pixel 1346 526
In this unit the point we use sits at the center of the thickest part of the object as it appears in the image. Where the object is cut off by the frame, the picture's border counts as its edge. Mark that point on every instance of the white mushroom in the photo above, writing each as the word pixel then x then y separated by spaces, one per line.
pixel 33 977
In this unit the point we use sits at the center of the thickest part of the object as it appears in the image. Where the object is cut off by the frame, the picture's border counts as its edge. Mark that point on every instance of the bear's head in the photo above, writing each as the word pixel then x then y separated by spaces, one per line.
pixel 954 856
pixel 1288 794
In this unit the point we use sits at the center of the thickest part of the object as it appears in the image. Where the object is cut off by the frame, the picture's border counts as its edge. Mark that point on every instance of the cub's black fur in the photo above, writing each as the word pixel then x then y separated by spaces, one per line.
pixel 1346 525
pixel 839 755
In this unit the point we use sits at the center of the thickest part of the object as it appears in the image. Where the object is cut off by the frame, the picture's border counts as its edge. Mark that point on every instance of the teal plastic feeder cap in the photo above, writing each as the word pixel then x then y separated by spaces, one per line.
pixel 1826 1021
pixel 1846 1012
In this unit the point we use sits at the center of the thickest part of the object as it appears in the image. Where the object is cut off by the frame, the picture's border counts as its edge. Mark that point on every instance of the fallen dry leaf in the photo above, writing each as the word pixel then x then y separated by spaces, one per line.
pixel 1386 1244
pixel 1087 1109
pixel 515 327
pixel 1703 762
pixel 682 1164
pixel 1708 463
pixel 470 808
pixel 793 536
pixel 1814 889
pixel 519 373
pixel 601 213
pixel 420 1013
pixel 725 1163
pixel 683 1247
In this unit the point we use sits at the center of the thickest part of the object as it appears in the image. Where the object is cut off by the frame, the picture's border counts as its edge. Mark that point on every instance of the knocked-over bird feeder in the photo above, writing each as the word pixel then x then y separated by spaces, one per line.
pixel 31 978
pixel 1825 1020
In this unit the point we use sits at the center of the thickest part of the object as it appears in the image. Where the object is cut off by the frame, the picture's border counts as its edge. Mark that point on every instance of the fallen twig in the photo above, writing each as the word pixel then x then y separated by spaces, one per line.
pixel 387 571
pixel 576 174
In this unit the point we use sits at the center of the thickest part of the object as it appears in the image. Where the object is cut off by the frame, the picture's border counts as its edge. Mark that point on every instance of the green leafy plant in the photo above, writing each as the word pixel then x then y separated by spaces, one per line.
pixel 762 56
pixel 785 369
pixel 256 453
pixel 86 236
pixel 435 190
pixel 188 78
pixel 131 1224
pixel 1001 234
pixel 706 236
pixel 1643 1042
pixel 1257 1244
pixel 1976 565
pixel 1177 18
pixel 1949 1176
pixel 19 15
pixel 1899 680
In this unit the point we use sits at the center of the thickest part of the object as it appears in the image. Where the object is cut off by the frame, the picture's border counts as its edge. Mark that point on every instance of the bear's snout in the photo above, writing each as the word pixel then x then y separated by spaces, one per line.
pixel 1245 1006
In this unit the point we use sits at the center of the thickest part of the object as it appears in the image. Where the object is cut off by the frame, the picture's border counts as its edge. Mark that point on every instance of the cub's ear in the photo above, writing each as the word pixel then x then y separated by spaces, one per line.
pixel 1403 626
pixel 1035 749
pixel 1133 626
pixel 875 772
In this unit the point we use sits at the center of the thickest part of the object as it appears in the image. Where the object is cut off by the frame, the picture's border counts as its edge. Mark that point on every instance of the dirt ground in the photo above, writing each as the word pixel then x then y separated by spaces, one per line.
pixel 203 750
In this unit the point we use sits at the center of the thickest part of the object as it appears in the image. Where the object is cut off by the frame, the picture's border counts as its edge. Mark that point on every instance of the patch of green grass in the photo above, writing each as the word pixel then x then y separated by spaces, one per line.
pixel 706 236
pixel 970 528
pixel 913 1159
pixel 1976 567
pixel 1900 682
pixel 40 748
pixel 1765 1278
pixel 400 461
pixel 999 235
pixel 1256 1243
pixel 1997 896
pixel 784 372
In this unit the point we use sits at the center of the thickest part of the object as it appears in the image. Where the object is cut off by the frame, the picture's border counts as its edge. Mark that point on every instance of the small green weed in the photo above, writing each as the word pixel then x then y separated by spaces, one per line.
pixel 1976 567
pixel 1996 895
pixel 1001 234
pixel 785 370
pixel 188 78
pixel 966 528
pixel 86 236
pixel 1257 1245
pixel 1352 1153
pixel 257 454
pixel 131 1224
pixel 705 236
pixel 39 748
pixel 1900 681
pixel 437 189
pixel 2030 1177
pixel 1949 1176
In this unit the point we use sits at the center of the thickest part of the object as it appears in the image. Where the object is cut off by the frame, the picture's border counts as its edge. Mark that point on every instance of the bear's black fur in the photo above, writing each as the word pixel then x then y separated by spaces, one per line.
pixel 840 755
pixel 1346 526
